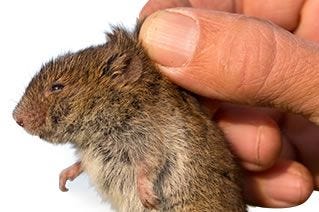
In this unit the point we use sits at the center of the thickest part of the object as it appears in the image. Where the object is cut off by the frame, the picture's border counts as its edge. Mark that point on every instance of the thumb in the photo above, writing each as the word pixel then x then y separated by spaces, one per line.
pixel 235 58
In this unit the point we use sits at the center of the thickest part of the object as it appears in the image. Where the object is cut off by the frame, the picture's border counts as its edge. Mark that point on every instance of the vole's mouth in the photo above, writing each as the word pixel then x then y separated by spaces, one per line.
pixel 35 131
pixel 29 129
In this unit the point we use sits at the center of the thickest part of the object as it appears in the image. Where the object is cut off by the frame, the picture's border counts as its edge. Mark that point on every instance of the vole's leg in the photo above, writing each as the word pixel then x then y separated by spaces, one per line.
pixel 69 173
pixel 145 186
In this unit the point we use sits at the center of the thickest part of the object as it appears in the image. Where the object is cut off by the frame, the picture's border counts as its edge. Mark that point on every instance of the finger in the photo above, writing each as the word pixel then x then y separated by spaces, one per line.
pixel 288 150
pixel 304 135
pixel 254 136
pixel 284 13
pixel 309 26
pixel 155 5
pixel 286 184
pixel 234 58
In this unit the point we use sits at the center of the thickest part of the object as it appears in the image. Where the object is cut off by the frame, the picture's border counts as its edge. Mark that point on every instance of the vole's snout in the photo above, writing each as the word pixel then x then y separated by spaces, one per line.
pixel 30 121
pixel 18 119
pixel 20 122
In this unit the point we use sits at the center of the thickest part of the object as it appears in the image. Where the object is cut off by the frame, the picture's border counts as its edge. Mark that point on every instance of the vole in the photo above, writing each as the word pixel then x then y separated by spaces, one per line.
pixel 145 143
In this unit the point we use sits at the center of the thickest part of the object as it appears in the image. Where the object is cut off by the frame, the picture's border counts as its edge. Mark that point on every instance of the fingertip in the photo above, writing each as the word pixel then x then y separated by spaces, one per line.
pixel 149 8
pixel 155 5
pixel 308 25
pixel 286 184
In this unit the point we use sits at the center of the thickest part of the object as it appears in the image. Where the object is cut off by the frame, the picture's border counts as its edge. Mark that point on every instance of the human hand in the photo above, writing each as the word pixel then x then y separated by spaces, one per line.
pixel 244 60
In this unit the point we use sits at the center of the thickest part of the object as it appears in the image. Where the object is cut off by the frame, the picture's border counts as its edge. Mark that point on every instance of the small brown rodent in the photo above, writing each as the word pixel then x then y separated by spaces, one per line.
pixel 144 142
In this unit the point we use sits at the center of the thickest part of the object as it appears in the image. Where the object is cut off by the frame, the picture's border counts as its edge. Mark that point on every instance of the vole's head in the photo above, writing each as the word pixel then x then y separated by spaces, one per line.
pixel 77 94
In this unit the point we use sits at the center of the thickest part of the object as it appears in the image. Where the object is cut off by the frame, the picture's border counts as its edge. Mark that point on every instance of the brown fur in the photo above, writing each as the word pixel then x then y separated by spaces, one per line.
pixel 145 142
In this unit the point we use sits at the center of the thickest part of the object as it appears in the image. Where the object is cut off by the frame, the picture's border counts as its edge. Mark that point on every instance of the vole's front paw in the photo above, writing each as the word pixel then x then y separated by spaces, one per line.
pixel 69 173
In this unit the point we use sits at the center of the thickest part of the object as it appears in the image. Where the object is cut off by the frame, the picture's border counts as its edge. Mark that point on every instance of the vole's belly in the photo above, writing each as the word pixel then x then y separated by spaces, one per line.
pixel 114 181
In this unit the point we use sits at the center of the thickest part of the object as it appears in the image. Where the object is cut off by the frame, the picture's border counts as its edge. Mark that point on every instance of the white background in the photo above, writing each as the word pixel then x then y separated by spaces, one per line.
pixel 32 32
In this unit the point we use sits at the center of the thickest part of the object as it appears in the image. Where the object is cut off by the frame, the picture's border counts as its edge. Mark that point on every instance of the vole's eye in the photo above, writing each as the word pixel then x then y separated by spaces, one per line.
pixel 57 87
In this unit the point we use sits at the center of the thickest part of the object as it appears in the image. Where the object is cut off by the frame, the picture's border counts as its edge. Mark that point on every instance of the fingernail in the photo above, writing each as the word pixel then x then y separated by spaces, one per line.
pixel 170 37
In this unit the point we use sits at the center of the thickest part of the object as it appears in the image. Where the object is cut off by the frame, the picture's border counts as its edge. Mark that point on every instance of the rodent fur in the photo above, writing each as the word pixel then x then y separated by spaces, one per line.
pixel 144 142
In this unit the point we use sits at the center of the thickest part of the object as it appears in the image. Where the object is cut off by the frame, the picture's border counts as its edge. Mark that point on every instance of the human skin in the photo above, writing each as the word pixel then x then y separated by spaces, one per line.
pixel 249 62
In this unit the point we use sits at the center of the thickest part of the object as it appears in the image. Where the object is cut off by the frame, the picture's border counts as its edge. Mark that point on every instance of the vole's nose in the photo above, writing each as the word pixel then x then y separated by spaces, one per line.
pixel 20 122
pixel 18 119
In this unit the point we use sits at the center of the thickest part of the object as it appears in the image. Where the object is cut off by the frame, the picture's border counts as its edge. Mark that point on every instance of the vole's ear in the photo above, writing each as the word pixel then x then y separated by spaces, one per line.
pixel 123 68
pixel 125 63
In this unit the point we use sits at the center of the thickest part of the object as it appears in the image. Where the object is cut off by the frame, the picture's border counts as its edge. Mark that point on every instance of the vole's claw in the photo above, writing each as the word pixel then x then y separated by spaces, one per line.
pixel 64 189
pixel 62 182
